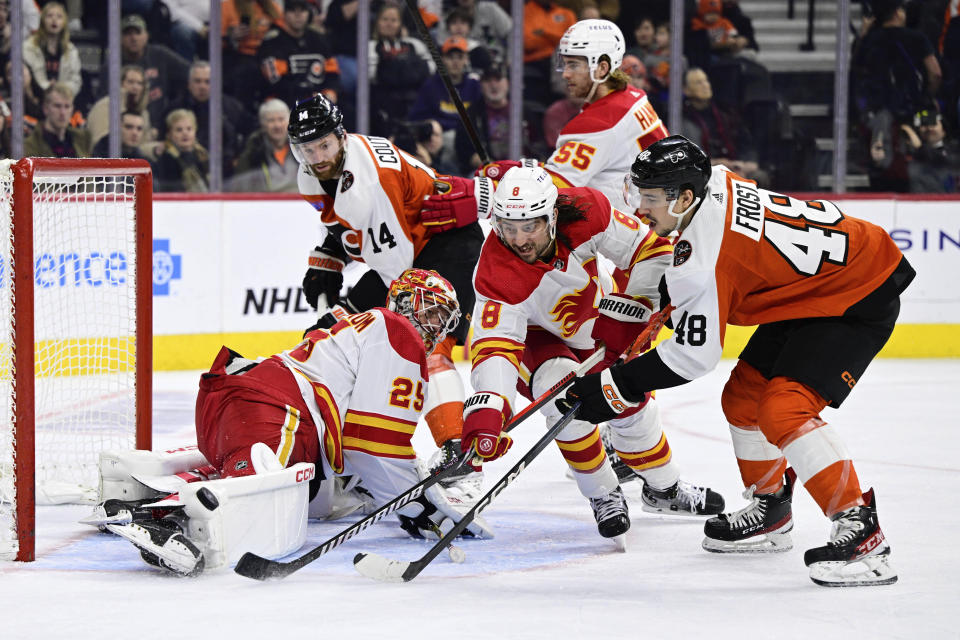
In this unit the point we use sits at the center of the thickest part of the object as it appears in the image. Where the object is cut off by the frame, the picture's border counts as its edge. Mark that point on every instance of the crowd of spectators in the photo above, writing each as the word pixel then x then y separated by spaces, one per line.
pixel 905 82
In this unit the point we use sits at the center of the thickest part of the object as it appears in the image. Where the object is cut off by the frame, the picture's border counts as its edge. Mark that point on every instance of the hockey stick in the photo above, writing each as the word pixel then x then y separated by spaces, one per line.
pixel 445 76
pixel 379 568
pixel 259 568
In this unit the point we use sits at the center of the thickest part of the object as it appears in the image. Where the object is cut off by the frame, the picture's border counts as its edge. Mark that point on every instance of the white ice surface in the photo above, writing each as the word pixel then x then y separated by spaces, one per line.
pixel 548 574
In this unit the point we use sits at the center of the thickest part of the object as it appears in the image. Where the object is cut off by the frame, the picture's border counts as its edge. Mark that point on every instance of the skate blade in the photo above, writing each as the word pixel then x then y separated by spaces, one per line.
pixel 621 542
pixel 768 543
pixel 100 519
pixel 670 512
pixel 865 572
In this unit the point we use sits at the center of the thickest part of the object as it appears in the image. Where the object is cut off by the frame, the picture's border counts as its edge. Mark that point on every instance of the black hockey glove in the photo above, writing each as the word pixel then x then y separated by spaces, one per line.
pixel 600 395
pixel 324 275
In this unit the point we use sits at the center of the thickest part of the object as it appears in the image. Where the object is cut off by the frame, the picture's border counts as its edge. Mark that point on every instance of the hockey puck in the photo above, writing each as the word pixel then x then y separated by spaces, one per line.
pixel 456 554
pixel 207 499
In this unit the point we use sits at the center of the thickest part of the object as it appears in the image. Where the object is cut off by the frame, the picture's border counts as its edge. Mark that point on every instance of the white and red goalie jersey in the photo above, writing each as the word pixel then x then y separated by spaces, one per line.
pixel 561 296
pixel 598 146
pixel 364 380
pixel 378 200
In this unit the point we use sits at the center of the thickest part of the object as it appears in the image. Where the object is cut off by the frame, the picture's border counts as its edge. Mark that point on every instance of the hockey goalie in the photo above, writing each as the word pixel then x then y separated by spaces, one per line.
pixel 322 430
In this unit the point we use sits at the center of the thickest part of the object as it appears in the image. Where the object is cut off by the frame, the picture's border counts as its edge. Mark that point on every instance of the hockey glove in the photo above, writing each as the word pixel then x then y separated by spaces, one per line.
pixel 495 170
pixel 327 320
pixel 457 203
pixel 324 275
pixel 622 318
pixel 600 396
pixel 484 415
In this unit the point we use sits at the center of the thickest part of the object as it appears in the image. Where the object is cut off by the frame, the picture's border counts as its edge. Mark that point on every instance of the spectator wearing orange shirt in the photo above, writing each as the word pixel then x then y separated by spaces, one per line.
pixel 544 23
pixel 244 23
pixel 723 36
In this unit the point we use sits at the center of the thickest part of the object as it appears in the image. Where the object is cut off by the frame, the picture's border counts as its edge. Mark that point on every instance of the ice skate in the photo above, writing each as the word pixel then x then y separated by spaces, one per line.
pixel 624 472
pixel 122 512
pixel 613 516
pixel 162 544
pixel 857 553
pixel 762 526
pixel 468 487
pixel 682 499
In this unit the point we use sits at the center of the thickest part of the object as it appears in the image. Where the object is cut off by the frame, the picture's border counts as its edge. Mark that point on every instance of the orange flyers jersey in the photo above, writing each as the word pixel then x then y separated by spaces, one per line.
pixel 364 380
pixel 752 256
pixel 560 296
pixel 599 144
pixel 378 200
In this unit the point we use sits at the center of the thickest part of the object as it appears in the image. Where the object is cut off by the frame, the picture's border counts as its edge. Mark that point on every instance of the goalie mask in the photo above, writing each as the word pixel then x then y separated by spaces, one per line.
pixel 311 120
pixel 429 301
pixel 592 39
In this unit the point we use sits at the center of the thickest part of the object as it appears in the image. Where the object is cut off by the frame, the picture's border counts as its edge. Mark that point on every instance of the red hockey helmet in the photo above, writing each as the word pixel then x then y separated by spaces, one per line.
pixel 429 301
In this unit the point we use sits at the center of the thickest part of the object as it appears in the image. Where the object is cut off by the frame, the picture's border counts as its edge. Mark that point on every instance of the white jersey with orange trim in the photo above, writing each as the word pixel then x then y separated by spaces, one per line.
pixel 377 199
pixel 560 296
pixel 364 381
pixel 598 146
pixel 751 256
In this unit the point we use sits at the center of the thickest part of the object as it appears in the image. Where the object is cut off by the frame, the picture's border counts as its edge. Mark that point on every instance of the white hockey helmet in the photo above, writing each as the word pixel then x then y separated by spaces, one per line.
pixel 525 193
pixel 591 39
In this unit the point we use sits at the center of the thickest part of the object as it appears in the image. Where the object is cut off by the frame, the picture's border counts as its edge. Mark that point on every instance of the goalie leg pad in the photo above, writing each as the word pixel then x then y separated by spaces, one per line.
pixel 135 475
pixel 264 513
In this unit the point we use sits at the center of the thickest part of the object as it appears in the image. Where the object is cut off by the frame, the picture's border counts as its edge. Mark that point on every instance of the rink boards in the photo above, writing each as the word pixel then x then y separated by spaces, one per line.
pixel 227 270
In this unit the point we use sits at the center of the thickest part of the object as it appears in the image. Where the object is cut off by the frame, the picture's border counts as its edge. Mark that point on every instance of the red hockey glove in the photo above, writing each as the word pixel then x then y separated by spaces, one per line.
pixel 457 203
pixel 484 414
pixel 495 170
pixel 621 320
pixel 600 396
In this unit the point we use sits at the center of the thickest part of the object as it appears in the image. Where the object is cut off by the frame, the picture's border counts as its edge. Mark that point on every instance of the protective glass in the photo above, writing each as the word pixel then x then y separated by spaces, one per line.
pixel 634 198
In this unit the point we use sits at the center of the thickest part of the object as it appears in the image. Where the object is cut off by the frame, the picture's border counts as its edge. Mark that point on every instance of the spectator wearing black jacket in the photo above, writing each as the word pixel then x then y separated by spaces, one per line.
pixel 297 61
pixel 399 65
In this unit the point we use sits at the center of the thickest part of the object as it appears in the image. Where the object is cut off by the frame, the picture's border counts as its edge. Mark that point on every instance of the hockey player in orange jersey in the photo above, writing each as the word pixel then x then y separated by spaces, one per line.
pixel 368 193
pixel 824 289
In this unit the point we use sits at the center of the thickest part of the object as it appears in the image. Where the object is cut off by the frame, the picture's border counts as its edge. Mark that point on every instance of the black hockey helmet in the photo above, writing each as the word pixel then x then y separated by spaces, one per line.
pixel 314 118
pixel 672 163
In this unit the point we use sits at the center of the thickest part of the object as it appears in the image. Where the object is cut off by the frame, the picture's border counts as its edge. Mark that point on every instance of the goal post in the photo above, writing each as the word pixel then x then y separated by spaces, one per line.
pixel 76 247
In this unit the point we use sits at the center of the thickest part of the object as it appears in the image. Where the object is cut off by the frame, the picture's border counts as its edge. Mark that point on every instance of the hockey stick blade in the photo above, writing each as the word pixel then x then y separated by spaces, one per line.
pixel 256 567
pixel 382 569
pixel 259 568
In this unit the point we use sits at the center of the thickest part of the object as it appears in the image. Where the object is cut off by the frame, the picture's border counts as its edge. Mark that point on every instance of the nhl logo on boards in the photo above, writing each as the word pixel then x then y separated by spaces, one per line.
pixel 682 252
pixel 347 181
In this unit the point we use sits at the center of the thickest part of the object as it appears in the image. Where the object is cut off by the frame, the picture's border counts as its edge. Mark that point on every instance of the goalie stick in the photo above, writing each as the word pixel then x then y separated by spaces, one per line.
pixel 383 569
pixel 259 568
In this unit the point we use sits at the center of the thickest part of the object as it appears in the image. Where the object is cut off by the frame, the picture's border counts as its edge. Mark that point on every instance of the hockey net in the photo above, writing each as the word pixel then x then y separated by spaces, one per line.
pixel 75 330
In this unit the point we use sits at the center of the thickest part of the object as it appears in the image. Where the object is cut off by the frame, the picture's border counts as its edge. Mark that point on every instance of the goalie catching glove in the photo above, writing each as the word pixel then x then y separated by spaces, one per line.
pixel 622 318
pixel 434 513
pixel 458 202
pixel 600 395
pixel 484 415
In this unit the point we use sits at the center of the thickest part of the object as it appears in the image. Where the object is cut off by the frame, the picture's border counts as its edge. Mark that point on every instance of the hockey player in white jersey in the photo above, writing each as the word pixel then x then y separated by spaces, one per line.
pixel 369 193
pixel 538 291
pixel 597 147
pixel 346 399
